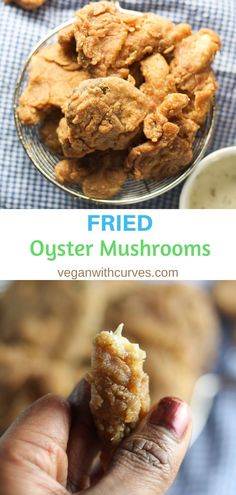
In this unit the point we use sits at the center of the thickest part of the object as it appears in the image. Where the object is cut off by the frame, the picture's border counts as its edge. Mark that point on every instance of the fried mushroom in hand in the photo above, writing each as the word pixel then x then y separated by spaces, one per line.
pixel 119 387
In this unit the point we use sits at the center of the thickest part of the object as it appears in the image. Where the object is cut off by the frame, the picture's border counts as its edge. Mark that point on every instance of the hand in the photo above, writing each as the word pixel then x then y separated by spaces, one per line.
pixel 50 449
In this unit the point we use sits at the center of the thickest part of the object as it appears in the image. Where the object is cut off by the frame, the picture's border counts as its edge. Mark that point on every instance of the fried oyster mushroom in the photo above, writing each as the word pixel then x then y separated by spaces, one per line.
pixel 201 89
pixel 48 131
pixel 102 113
pixel 108 41
pixel 53 75
pixel 24 379
pixel 224 295
pixel 191 70
pixel 101 175
pixel 158 80
pixel 169 148
pixel 119 387
pixel 194 54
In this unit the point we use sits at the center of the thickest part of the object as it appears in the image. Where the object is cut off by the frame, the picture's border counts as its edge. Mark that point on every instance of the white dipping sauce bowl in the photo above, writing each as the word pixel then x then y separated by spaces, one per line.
pixel 219 162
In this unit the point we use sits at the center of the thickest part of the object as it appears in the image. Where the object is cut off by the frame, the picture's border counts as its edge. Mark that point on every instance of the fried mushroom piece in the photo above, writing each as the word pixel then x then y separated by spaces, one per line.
pixel 201 89
pixel 157 122
pixel 63 133
pixel 103 113
pixel 66 39
pixel 108 41
pixel 27 4
pixel 193 75
pixel 48 131
pixel 58 54
pixel 119 387
pixel 161 160
pixel 170 146
pixel 101 175
pixel 194 54
pixel 23 379
pixel 52 77
pixel 106 179
pixel 224 295
pixel 100 34
pixel 158 80
pixel 70 171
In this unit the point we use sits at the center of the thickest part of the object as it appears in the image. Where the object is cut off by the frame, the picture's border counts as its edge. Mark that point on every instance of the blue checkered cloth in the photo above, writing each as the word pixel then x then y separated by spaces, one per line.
pixel 21 185
pixel 210 465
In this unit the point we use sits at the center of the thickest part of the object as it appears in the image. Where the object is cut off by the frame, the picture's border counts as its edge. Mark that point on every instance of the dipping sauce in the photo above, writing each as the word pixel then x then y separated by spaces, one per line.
pixel 215 185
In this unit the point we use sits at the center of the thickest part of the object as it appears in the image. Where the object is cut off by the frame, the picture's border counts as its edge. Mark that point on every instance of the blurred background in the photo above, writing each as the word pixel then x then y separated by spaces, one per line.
pixel 187 329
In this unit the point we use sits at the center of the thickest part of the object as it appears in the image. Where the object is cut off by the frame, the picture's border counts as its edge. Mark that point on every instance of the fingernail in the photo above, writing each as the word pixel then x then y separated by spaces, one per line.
pixel 172 414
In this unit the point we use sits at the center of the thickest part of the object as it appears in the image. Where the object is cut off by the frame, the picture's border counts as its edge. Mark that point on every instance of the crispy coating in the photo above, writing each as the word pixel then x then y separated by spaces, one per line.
pixel 103 113
pixel 64 58
pixel 157 124
pixel 66 39
pixel 52 77
pixel 192 72
pixel 201 89
pixel 177 34
pixel 119 386
pixel 194 54
pixel 27 4
pixel 158 80
pixel 69 171
pixel 157 161
pixel 107 176
pixel 147 33
pixel 48 131
pixel 224 293
pixel 64 137
pixel 108 41
pixel 101 175
pixel 169 148
pixel 100 34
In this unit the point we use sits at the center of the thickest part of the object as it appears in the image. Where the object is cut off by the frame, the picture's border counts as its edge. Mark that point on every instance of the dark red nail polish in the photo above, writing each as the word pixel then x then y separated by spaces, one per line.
pixel 172 414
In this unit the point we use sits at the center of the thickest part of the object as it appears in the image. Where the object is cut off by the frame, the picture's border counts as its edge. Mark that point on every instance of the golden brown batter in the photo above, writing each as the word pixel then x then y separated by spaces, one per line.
pixel 119 386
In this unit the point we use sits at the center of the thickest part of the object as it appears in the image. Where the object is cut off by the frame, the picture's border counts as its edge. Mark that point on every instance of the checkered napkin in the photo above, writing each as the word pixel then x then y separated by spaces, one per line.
pixel 21 185
pixel 210 465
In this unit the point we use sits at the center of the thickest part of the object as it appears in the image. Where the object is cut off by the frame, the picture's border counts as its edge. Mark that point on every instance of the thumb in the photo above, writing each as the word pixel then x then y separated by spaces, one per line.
pixel 33 451
pixel 147 461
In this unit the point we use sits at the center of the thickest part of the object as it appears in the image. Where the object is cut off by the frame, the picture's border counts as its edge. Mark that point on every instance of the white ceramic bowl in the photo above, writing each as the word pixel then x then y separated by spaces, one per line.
pixel 215 165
